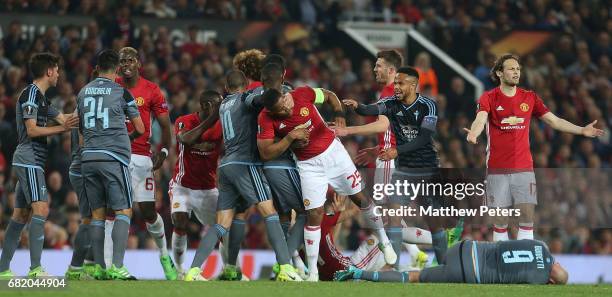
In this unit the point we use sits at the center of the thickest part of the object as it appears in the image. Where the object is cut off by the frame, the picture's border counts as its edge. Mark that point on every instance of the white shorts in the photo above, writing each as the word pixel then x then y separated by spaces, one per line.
pixel 506 190
pixel 384 171
pixel 333 167
pixel 368 256
pixel 203 203
pixel 143 183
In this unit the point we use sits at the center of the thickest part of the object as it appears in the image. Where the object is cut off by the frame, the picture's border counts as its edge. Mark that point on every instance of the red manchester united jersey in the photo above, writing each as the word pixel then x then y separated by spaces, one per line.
pixel 386 139
pixel 196 166
pixel 151 102
pixel 508 127
pixel 330 258
pixel 305 115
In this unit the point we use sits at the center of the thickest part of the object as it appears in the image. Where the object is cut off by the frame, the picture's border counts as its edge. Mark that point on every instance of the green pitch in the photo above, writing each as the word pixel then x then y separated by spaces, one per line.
pixel 269 289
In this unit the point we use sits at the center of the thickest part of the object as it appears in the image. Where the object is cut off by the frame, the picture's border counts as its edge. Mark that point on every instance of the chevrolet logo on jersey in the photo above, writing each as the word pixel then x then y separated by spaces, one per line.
pixel 513 120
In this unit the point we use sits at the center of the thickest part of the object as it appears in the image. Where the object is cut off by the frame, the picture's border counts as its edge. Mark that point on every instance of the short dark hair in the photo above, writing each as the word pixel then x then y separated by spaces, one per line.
pixel 108 60
pixel 235 79
pixel 410 71
pixel 271 74
pixel 210 96
pixel 270 97
pixel 41 62
pixel 276 59
pixel 392 57
pixel 499 66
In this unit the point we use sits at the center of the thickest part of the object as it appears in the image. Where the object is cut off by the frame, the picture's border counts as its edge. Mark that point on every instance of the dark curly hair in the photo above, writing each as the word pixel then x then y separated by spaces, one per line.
pixel 249 62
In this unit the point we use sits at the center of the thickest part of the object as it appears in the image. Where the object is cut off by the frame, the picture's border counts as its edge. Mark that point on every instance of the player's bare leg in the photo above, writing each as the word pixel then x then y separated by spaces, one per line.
pixel 526 220
pixel 179 240
pixel 375 223
pixel 155 226
pixel 20 217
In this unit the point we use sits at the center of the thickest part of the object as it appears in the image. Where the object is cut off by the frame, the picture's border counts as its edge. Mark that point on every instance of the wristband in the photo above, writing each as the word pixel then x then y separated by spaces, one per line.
pixel 164 151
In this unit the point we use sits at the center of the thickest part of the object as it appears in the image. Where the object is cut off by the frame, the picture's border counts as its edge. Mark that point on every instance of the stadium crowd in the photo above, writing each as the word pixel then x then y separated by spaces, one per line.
pixel 572 75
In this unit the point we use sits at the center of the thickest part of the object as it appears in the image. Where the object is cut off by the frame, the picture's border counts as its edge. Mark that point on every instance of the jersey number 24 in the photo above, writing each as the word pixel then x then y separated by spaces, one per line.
pixel 94 113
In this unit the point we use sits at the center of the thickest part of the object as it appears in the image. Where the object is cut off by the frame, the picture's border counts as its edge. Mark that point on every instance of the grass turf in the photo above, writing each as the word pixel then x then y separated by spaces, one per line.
pixel 267 289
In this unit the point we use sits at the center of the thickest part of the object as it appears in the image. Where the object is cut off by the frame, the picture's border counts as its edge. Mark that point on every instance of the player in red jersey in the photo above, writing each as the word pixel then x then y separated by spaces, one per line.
pixel 151 103
pixel 506 112
pixel 321 158
pixel 193 187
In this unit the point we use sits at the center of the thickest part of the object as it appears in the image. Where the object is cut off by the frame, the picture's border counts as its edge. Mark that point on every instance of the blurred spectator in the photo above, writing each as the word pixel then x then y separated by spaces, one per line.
pixel 428 80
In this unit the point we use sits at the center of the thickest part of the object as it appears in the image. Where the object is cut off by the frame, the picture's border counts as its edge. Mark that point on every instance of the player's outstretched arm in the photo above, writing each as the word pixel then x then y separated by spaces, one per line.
pixel 379 126
pixel 35 131
pixel 363 109
pixel 563 125
pixel 194 135
pixel 330 98
pixel 477 127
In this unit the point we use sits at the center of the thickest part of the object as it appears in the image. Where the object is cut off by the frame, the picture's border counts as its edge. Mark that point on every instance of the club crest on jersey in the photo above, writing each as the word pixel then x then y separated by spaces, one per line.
pixel 524 107
pixel 513 120
pixel 176 205
pixel 416 115
pixel 304 111
pixel 306 202
pixel 140 101
pixel 370 241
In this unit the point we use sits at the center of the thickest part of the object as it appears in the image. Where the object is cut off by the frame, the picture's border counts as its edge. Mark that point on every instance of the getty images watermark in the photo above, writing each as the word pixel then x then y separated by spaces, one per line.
pixel 403 191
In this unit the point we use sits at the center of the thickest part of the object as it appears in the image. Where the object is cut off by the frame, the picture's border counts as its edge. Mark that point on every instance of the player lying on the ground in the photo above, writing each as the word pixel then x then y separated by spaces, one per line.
pixel 503 262
pixel 368 256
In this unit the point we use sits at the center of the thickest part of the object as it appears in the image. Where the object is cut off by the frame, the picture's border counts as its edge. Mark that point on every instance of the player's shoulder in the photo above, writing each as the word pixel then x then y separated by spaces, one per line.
pixel 30 93
pixel 428 103
pixel 526 93
pixel 185 120
pixel 302 90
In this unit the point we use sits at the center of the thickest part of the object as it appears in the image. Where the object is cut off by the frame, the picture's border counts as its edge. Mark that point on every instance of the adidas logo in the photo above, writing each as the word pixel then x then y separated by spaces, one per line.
pixel 282 125
pixel 499 108
pixel 400 113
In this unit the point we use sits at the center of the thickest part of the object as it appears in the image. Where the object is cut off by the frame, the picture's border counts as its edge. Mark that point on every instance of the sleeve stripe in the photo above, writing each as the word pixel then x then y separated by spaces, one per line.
pixel 32 96
pixel 430 104
pixel 131 102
